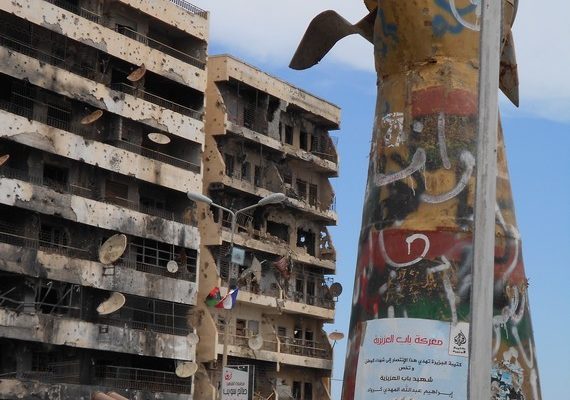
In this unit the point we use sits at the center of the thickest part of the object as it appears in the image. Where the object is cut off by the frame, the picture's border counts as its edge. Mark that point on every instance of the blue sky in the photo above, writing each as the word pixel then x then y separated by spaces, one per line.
pixel 537 139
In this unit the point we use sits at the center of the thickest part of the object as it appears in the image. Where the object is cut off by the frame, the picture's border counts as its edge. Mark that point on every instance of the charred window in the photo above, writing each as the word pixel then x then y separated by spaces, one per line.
pixel 306 239
pixel 230 160
pixel 278 230
pixel 304 140
pixel 55 176
pixel 52 236
pixel 288 134
pixel 302 189
pixel 117 192
pixel 308 391
pixel 313 190
pixel 257 180
pixel 246 171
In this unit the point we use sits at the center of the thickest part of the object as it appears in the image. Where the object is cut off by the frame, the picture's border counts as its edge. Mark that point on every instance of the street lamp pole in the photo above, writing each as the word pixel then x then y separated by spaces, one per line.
pixel 273 198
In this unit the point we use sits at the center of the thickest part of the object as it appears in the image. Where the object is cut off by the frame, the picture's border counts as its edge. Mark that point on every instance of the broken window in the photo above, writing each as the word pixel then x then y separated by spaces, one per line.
pixel 53 236
pixel 296 390
pixel 55 176
pixel 246 171
pixel 308 391
pixel 229 160
pixel 252 328
pixel 306 239
pixel 151 202
pixel 302 189
pixel 257 181
pixel 304 140
pixel 313 193
pixel 288 134
pixel 117 192
pixel 288 178
pixel 278 230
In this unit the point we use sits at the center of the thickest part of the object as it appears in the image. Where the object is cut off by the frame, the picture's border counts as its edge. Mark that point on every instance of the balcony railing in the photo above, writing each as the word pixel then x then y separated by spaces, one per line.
pixel 90 73
pixel 156 155
pixel 152 98
pixel 155 44
pixel 82 12
pixel 141 379
pixel 154 321
pixel 191 8
pixel 281 344
pixel 14 235
pixel 132 258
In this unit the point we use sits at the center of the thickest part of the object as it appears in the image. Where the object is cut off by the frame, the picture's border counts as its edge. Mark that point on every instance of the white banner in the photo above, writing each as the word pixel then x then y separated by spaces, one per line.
pixel 412 359
pixel 235 384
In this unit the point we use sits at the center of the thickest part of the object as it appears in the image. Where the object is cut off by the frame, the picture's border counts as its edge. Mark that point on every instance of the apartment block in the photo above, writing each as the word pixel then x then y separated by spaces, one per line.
pixel 101 136
pixel 265 136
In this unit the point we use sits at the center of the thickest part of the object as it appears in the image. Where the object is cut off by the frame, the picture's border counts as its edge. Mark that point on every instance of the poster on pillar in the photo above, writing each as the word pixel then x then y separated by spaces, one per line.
pixel 412 358
pixel 235 383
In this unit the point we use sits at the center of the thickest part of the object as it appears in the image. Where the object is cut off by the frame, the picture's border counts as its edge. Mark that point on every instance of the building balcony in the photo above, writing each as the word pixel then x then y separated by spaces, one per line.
pixel 102 155
pixel 176 64
pixel 58 313
pixel 190 8
pixel 306 353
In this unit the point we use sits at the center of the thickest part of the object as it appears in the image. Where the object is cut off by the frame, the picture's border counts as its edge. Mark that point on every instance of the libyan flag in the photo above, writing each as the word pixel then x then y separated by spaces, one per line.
pixel 214 299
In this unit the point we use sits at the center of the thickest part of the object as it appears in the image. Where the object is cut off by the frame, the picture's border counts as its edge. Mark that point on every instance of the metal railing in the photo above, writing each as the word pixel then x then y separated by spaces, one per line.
pixel 140 93
pixel 54 372
pixel 141 379
pixel 155 44
pixel 82 12
pixel 156 155
pixel 147 320
pixel 133 259
pixel 21 305
pixel 49 58
pixel 304 347
pixel 191 8
pixel 13 235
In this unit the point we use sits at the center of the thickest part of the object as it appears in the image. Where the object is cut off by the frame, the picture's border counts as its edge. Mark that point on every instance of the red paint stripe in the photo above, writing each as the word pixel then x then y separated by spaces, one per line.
pixel 438 99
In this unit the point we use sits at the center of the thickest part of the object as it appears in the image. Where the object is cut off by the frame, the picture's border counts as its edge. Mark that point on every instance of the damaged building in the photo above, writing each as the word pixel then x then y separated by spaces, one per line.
pixel 101 137
pixel 265 136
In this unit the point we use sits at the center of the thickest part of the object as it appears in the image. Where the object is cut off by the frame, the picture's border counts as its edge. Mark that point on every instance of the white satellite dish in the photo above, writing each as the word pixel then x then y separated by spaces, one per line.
pixel 4 159
pixel 185 369
pixel 94 116
pixel 172 266
pixel 112 249
pixel 159 138
pixel 137 74
pixel 193 338
pixel 255 342
pixel 112 304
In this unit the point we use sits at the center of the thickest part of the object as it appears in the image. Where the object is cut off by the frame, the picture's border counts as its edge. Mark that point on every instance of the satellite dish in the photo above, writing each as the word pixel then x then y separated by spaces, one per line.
pixel 159 138
pixel 112 249
pixel 94 116
pixel 255 342
pixel 193 338
pixel 334 336
pixel 185 369
pixel 172 266
pixel 112 304
pixel 4 159
pixel 335 289
pixel 137 74
pixel 116 396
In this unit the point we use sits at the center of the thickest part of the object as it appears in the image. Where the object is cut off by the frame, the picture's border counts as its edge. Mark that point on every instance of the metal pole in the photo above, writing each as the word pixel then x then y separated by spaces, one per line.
pixel 230 268
pixel 480 354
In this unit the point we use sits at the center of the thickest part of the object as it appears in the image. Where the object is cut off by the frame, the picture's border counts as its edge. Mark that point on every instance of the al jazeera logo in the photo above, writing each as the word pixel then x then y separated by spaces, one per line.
pixel 458 343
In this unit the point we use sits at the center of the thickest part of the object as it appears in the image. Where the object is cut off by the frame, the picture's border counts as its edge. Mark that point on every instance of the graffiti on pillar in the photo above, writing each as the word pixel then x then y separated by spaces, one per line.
pixel 415 250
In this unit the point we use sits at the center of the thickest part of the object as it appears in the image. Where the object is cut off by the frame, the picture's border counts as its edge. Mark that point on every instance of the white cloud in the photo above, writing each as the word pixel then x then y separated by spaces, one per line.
pixel 268 32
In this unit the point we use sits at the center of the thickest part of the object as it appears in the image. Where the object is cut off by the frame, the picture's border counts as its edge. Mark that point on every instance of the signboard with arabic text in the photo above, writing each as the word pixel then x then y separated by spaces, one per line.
pixel 235 383
pixel 412 359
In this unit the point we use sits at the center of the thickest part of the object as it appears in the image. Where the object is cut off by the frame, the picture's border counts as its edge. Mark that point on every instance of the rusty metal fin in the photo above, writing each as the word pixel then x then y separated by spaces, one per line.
pixel 324 31
pixel 509 77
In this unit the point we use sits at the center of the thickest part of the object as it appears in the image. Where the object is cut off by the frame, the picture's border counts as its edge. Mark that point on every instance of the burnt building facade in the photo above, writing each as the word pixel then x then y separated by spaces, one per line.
pixel 101 136
pixel 265 136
